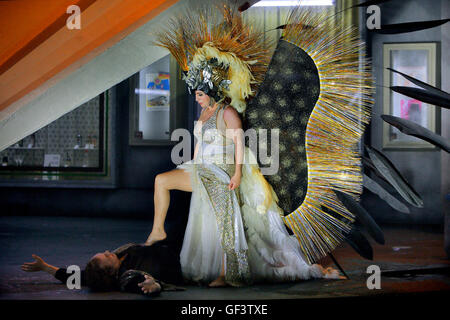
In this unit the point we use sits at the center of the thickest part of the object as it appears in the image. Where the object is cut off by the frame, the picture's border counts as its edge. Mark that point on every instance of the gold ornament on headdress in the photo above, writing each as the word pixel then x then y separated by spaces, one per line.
pixel 234 54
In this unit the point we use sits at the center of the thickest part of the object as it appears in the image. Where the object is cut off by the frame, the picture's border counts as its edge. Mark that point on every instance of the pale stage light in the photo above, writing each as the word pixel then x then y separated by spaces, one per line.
pixel 152 91
pixel 290 3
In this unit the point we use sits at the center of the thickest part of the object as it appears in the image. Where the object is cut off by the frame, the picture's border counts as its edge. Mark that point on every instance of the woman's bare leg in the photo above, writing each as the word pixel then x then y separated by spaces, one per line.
pixel 220 281
pixel 177 179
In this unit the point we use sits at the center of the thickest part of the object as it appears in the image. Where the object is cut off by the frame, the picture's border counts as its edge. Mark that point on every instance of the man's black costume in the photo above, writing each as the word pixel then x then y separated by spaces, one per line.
pixel 159 261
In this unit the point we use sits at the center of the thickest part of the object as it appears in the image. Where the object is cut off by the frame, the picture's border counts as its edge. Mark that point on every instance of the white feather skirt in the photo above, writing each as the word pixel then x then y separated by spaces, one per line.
pixel 273 254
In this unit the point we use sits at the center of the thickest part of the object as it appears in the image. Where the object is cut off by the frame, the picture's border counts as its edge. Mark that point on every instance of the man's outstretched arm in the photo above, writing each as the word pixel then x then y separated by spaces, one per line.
pixel 40 265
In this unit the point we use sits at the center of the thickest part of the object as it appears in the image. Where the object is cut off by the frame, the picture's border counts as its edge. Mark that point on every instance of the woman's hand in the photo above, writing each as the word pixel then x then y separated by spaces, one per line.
pixel 235 181
pixel 149 285
pixel 38 265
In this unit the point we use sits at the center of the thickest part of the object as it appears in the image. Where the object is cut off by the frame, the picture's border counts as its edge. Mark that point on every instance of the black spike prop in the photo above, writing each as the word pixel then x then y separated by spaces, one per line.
pixel 423 95
pixel 338 265
pixel 413 129
pixel 390 172
pixel 362 215
pixel 409 26
pixel 424 85
pixel 392 201
pixel 359 243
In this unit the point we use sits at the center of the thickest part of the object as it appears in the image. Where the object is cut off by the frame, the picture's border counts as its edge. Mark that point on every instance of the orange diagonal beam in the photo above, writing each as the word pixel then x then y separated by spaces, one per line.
pixel 103 23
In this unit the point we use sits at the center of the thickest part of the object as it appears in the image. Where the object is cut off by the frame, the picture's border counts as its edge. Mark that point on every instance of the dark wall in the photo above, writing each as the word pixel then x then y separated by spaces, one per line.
pixel 422 169
pixel 134 167
pixel 137 165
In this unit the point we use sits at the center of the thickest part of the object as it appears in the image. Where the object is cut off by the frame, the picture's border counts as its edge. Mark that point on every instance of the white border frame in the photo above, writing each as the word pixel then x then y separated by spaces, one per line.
pixel 431 47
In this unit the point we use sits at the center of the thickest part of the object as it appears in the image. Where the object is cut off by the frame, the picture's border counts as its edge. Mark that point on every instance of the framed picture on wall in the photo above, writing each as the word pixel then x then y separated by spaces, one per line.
pixel 418 60
pixel 157 103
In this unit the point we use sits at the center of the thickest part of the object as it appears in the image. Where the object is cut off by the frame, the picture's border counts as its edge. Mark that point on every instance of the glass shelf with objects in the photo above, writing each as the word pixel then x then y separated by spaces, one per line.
pixel 73 146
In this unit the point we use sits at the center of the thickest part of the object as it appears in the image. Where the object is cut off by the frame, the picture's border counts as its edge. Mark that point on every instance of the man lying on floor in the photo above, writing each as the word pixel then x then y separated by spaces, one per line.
pixel 130 268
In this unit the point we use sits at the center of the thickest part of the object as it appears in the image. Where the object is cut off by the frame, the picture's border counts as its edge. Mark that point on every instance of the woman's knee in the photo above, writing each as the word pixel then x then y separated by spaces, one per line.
pixel 160 180
pixel 175 179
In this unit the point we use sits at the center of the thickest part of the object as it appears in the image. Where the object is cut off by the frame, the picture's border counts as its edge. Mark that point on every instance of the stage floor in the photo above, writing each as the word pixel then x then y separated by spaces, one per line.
pixel 416 257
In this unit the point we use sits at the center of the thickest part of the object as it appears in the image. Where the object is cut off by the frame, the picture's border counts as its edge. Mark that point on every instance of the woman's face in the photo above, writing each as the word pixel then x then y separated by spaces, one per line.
pixel 202 98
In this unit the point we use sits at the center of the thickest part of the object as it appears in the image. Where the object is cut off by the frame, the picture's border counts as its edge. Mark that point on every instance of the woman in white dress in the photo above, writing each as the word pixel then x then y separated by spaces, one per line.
pixel 235 235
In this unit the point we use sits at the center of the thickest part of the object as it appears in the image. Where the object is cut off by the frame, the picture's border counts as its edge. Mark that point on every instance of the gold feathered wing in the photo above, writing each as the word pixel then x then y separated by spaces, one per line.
pixel 317 92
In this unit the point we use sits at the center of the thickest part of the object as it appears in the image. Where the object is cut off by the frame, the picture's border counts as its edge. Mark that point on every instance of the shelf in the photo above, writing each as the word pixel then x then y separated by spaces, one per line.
pixel 25 148
pixel 81 149
pixel 158 108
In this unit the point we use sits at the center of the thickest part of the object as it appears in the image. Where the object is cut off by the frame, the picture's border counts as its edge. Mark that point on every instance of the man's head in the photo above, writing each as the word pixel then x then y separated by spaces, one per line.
pixel 101 271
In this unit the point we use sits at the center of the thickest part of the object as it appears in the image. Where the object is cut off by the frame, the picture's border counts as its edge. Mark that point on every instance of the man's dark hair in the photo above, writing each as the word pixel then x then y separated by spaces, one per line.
pixel 100 279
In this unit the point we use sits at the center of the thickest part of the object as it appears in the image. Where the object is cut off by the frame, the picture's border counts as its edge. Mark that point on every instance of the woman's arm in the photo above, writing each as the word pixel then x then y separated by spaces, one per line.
pixel 195 151
pixel 234 127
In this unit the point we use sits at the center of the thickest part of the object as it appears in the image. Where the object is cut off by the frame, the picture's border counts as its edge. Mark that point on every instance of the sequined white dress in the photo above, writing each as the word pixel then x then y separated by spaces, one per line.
pixel 244 223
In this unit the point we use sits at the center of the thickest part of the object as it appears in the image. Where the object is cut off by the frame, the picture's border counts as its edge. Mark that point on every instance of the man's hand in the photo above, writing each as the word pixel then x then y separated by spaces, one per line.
pixel 38 265
pixel 149 285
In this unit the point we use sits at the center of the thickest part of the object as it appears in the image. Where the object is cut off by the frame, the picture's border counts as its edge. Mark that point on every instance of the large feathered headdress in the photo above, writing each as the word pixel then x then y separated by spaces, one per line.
pixel 218 52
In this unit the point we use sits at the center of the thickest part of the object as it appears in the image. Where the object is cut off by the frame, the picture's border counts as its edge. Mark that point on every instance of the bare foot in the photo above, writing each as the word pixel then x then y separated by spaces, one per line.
pixel 219 282
pixel 155 236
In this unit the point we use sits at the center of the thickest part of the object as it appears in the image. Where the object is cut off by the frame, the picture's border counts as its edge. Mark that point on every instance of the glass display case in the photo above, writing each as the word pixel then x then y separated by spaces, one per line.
pixel 74 143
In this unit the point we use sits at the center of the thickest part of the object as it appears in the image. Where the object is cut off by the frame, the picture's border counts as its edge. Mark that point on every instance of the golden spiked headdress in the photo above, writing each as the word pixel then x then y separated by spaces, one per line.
pixel 218 52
